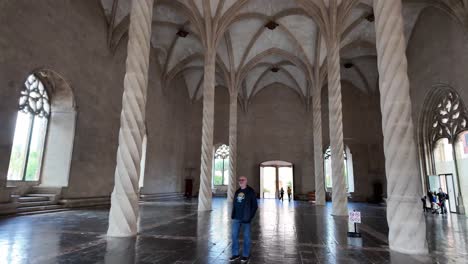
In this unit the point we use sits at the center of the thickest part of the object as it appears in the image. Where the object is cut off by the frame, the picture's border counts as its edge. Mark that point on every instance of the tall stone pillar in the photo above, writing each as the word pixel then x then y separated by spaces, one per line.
pixel 124 200
pixel 232 146
pixel 206 169
pixel 318 149
pixel 339 197
pixel 407 227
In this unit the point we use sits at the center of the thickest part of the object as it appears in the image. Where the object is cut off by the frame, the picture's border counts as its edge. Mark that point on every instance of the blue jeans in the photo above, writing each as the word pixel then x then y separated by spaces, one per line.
pixel 236 225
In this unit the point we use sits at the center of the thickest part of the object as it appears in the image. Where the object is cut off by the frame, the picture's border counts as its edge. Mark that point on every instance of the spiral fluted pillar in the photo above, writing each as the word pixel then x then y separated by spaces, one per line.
pixel 123 214
pixel 232 147
pixel 318 151
pixel 407 227
pixel 205 193
pixel 339 197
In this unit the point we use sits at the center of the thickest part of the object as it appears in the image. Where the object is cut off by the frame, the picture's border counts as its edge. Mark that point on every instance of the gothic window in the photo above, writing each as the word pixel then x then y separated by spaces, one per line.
pixel 348 173
pixel 448 118
pixel 30 131
pixel 221 166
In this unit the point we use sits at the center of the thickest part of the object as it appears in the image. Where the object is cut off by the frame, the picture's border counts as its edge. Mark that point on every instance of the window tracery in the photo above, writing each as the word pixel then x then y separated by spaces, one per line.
pixel 449 118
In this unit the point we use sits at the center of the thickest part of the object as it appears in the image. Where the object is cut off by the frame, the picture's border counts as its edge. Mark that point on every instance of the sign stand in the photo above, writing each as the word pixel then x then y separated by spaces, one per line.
pixel 354 217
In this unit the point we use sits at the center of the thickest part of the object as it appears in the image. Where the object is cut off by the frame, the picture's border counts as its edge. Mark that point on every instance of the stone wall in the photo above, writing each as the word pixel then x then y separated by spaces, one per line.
pixel 167 118
pixel 437 55
pixel 362 132
pixel 274 128
pixel 70 37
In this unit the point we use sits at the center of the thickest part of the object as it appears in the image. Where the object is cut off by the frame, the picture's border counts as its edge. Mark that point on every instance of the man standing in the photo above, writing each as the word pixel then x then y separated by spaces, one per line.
pixel 244 207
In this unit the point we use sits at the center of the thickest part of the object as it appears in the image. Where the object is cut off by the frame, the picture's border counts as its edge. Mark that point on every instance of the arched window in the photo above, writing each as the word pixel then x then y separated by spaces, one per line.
pixel 348 169
pixel 448 118
pixel 30 131
pixel 221 166
pixel 445 138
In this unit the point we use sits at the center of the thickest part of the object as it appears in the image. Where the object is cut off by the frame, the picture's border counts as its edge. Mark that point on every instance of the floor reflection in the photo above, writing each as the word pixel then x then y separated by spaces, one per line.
pixel 174 232
pixel 120 250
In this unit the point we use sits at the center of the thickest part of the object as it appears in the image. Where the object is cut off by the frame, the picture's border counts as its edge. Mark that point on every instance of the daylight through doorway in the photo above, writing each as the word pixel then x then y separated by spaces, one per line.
pixel 274 176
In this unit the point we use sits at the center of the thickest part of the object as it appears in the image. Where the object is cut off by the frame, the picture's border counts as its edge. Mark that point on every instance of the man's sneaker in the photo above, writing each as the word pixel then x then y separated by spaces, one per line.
pixel 245 259
pixel 234 258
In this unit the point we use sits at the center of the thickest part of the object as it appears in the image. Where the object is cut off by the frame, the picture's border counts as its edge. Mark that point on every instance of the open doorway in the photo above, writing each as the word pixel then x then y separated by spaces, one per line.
pixel 275 175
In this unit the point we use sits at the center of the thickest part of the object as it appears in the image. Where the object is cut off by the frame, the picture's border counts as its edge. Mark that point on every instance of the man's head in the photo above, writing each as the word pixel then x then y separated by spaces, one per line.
pixel 440 189
pixel 242 182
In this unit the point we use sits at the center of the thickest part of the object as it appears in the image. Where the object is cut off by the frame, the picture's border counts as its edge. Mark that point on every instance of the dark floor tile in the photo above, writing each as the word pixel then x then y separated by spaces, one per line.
pixel 173 232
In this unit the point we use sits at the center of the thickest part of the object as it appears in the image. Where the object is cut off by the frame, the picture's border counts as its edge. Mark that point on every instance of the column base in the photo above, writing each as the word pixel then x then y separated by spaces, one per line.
pixel 8 208
pixel 460 206
pixel 401 249
pixel 5 196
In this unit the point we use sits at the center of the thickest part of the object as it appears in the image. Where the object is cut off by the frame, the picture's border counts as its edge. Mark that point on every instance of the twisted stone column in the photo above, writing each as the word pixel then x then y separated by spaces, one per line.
pixel 232 146
pixel 124 200
pixel 206 169
pixel 318 151
pixel 339 198
pixel 407 227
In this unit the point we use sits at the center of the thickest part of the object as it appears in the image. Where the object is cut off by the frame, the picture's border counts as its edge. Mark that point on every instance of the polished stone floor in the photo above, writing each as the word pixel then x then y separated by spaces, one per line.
pixel 173 232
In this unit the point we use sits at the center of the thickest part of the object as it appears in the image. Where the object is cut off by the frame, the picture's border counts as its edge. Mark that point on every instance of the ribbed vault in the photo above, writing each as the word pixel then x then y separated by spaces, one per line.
pixel 262 42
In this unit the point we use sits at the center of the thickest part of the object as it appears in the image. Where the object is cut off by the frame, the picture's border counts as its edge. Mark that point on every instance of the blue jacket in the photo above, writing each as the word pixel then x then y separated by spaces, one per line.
pixel 250 206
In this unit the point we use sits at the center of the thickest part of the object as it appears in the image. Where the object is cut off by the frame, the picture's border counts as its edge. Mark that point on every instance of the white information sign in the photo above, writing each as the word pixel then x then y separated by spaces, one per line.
pixel 355 217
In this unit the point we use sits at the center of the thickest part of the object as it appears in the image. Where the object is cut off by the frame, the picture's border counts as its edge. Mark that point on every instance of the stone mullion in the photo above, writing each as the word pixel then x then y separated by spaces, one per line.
pixel 407 227
pixel 123 214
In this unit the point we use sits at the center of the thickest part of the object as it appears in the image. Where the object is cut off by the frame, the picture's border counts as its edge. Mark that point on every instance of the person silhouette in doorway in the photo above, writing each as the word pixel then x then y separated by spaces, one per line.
pixel 289 193
pixel 281 194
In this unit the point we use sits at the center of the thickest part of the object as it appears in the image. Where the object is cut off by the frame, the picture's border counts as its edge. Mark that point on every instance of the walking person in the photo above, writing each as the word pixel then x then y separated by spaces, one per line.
pixel 430 196
pixel 281 194
pixel 423 199
pixel 243 210
pixel 289 193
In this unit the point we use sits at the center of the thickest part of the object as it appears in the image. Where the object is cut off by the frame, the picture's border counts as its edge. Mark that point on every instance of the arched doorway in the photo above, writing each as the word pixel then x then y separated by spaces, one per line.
pixel 275 175
pixel 444 147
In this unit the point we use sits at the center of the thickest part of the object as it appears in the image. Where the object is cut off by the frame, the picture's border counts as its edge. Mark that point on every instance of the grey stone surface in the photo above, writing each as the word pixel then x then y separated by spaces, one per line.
pixel 362 133
pixel 173 232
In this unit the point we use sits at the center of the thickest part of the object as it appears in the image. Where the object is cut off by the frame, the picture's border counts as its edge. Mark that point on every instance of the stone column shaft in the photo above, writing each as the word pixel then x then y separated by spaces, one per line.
pixel 232 146
pixel 206 168
pixel 318 149
pixel 339 197
pixel 124 200
pixel 407 227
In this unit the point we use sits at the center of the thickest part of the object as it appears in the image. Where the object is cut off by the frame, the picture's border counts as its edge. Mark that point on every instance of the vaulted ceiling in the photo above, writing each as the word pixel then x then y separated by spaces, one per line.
pixel 265 42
